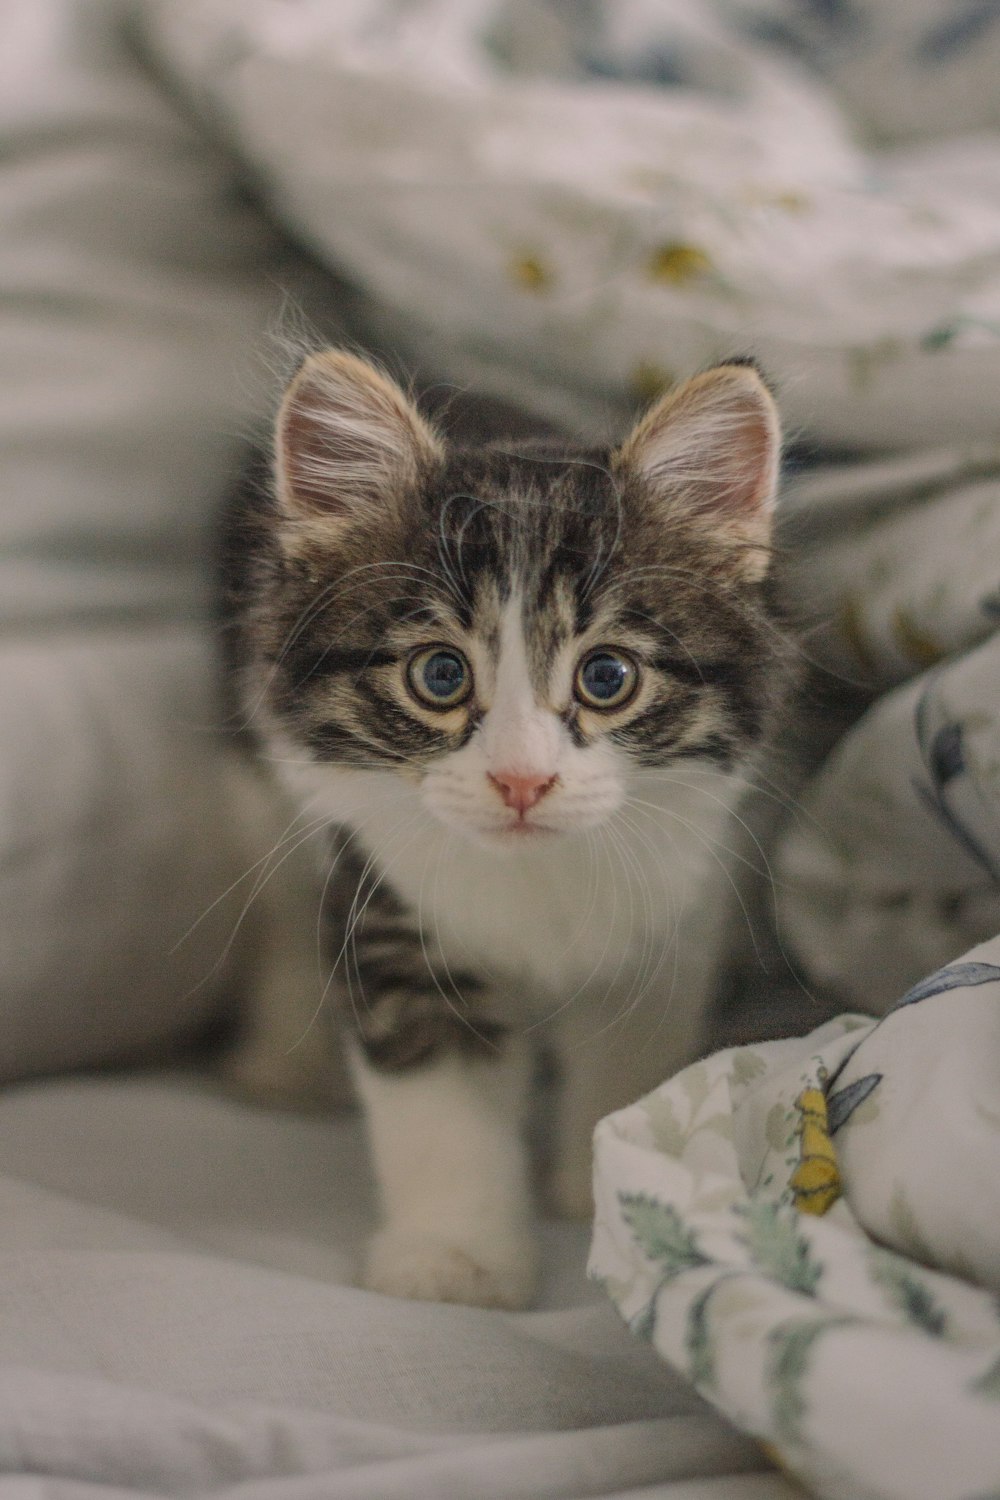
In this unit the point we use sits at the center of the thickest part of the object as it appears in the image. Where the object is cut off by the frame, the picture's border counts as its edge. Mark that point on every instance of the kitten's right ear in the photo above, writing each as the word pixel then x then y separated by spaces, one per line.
pixel 347 438
pixel 710 449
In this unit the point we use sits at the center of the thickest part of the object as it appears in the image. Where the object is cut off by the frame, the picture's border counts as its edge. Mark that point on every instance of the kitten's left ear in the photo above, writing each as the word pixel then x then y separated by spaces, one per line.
pixel 711 449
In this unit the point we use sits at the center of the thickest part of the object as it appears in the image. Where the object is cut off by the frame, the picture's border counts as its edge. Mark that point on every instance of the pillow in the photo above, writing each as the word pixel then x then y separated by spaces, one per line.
pixel 138 282
pixel 570 206
pixel 116 845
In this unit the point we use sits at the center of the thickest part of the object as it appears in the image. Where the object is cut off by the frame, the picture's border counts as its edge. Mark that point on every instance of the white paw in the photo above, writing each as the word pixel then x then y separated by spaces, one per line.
pixel 483 1274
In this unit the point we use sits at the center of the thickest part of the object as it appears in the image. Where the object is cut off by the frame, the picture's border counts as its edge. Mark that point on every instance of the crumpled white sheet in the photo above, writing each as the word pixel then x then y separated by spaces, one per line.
pixel 177 1318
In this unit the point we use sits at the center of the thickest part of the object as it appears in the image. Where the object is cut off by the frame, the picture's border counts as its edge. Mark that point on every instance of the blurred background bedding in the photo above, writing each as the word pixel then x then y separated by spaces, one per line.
pixel 565 206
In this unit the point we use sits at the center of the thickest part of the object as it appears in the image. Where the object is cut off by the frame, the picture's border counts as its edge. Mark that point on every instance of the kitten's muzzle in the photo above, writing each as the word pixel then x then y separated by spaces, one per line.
pixel 521 793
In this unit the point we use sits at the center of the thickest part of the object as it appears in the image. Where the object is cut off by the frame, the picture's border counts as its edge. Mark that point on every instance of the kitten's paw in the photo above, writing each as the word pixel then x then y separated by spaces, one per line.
pixel 435 1270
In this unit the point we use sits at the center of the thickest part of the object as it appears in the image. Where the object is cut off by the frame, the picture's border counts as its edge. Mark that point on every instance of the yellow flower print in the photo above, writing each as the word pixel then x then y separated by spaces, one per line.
pixel 531 272
pixel 815 1183
pixel 676 264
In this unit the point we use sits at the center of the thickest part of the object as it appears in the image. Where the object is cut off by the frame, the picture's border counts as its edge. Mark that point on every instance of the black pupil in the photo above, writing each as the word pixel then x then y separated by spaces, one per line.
pixel 444 675
pixel 604 677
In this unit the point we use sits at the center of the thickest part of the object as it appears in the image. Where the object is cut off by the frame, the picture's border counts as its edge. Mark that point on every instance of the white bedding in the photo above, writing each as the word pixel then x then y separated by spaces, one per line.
pixel 570 206
pixel 176 1318
pixel 535 218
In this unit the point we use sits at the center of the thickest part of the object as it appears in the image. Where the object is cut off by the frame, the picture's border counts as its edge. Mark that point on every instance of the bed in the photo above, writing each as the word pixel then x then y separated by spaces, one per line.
pixel 564 208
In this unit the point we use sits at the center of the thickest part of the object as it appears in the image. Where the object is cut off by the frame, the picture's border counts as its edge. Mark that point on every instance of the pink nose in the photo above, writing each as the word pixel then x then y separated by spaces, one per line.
pixel 520 792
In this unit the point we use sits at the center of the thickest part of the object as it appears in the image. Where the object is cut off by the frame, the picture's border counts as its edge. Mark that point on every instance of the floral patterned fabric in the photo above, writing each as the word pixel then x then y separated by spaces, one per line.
pixel 737 1214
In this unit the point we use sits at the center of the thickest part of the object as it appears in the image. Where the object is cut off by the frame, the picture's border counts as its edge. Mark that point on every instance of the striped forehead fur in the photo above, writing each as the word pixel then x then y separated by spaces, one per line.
pixel 347 605
pixel 381 539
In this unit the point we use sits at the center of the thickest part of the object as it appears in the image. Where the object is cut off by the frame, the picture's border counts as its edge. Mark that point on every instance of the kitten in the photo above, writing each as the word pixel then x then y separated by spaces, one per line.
pixel 512 683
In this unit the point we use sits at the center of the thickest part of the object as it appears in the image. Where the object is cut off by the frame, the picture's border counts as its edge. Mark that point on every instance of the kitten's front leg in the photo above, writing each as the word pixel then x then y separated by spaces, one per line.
pixel 452 1173
pixel 444 1088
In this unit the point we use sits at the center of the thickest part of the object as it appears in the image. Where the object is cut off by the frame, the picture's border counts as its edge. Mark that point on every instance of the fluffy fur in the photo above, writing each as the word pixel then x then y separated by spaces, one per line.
pixel 507 686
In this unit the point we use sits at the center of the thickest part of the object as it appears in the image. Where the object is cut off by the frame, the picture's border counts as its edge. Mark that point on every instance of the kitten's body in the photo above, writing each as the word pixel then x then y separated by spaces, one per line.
pixel 514 682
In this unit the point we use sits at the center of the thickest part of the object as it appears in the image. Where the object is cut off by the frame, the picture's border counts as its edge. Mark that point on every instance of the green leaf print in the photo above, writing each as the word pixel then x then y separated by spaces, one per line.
pixel 696 1083
pixel 779 1131
pixel 643 1324
pixel 668 1134
pixel 661 1233
pixel 788 1368
pixel 912 1296
pixel 779 1248
pixel 747 1067
pixel 698 1340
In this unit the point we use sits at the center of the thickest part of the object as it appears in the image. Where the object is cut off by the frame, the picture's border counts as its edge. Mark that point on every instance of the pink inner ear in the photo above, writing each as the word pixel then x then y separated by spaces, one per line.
pixel 713 447
pixel 748 471
pixel 308 459
pixel 347 436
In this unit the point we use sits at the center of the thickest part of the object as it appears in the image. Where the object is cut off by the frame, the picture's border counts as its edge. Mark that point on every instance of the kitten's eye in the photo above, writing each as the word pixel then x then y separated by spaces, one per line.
pixel 606 679
pixel 439 677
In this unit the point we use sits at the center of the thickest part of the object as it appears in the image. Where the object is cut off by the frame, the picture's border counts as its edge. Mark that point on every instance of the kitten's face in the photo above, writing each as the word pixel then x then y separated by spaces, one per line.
pixel 515 631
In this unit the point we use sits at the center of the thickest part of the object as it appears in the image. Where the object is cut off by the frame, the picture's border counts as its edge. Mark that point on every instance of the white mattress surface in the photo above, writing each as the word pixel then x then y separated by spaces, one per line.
pixel 176 1317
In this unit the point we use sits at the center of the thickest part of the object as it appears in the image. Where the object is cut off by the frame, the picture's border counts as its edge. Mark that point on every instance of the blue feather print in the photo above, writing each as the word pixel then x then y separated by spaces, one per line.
pixel 946 755
pixel 942 748
pixel 953 977
pixel 841 1105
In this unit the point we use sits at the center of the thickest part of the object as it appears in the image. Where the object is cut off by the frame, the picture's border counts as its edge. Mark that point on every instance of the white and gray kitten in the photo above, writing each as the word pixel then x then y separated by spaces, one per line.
pixel 507 686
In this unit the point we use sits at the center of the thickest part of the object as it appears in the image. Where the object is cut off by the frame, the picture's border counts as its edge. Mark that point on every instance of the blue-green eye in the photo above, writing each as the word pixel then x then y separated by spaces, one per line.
pixel 606 679
pixel 439 677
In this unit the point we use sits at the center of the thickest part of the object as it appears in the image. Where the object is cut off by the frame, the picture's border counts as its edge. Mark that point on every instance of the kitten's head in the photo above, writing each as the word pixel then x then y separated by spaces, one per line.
pixel 515 628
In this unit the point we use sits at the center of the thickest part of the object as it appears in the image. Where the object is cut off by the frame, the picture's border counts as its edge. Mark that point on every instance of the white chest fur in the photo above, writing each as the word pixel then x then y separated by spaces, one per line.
pixel 623 906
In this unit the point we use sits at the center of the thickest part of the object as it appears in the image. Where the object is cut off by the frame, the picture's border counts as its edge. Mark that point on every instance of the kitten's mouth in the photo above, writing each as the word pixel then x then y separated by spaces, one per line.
pixel 522 830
